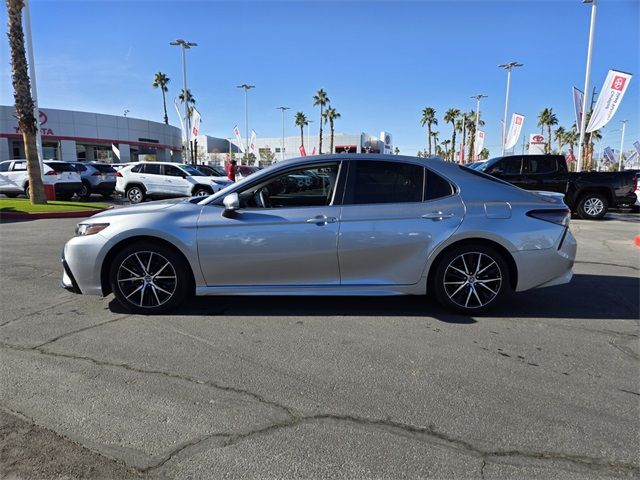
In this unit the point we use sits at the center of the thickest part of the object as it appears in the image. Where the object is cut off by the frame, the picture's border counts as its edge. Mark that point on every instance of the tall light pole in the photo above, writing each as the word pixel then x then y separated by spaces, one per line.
pixel 587 76
pixel 34 89
pixel 477 97
pixel 508 67
pixel 184 46
pixel 308 136
pixel 246 87
pixel 624 124
pixel 282 109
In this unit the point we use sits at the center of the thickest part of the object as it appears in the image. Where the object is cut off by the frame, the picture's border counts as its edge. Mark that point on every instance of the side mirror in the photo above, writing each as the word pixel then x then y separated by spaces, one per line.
pixel 231 203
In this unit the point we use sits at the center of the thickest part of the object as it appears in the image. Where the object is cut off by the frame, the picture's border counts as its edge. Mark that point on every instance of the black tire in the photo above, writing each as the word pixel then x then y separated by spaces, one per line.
pixel 475 291
pixel 135 194
pixel 592 206
pixel 158 293
pixel 26 190
pixel 85 192
pixel 202 191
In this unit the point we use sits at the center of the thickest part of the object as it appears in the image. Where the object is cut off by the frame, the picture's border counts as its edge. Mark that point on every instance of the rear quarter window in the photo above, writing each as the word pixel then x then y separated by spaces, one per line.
pixel 436 186
pixel 61 166
pixel 102 168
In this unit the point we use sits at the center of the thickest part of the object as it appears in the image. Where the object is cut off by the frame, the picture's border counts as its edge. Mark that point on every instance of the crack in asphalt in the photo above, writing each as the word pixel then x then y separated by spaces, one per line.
pixel 30 314
pixel 484 464
pixel 83 329
pixel 624 349
pixel 294 419
pixel 608 264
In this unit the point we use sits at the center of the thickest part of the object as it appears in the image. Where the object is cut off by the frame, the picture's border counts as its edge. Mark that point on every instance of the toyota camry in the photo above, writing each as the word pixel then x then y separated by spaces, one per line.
pixel 361 225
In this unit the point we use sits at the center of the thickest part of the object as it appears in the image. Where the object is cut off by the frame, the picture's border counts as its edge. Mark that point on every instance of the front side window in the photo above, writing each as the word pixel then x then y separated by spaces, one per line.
pixel 506 166
pixel 386 182
pixel 304 187
pixel 19 166
pixel 173 171
pixel 542 164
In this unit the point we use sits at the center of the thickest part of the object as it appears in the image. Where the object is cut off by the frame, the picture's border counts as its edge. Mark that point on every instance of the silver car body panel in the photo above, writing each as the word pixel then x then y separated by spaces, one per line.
pixel 381 249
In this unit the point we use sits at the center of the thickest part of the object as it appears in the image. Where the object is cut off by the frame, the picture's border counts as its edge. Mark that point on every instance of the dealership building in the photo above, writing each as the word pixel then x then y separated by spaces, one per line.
pixel 70 136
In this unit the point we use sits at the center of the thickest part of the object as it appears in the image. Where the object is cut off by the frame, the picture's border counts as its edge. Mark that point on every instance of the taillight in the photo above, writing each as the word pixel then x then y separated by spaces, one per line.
pixel 558 216
pixel 118 174
pixel 52 172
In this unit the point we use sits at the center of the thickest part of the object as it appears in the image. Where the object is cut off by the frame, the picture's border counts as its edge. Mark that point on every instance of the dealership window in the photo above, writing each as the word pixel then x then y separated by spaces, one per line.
pixel 50 150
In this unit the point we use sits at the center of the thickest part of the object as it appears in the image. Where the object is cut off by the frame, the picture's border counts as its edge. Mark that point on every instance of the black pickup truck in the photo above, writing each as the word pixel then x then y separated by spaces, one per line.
pixel 589 194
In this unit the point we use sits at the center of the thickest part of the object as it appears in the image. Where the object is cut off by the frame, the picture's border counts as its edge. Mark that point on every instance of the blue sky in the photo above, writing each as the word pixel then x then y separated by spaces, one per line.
pixel 380 62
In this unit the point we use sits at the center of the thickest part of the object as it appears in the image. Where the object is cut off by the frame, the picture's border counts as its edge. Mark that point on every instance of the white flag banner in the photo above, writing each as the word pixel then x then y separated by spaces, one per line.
pixel 514 131
pixel 236 132
pixel 195 123
pixel 252 144
pixel 578 99
pixel 184 133
pixel 615 85
pixel 479 144
pixel 636 145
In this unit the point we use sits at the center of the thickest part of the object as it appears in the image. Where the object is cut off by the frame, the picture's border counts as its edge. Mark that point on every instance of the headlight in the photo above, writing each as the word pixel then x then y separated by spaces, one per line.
pixel 90 228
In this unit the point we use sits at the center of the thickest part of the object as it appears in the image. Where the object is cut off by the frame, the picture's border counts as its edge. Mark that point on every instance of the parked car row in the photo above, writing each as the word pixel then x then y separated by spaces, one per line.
pixel 63 176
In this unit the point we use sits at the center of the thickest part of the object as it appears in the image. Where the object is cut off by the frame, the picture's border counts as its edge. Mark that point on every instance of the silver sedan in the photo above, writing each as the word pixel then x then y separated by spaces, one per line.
pixel 363 225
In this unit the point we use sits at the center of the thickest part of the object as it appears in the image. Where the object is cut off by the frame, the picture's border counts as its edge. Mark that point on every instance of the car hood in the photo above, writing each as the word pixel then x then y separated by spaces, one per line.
pixel 148 207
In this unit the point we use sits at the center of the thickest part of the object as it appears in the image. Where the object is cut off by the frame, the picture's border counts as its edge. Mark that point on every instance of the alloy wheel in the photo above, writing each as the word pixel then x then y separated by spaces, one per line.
pixel 134 195
pixel 593 206
pixel 472 280
pixel 147 279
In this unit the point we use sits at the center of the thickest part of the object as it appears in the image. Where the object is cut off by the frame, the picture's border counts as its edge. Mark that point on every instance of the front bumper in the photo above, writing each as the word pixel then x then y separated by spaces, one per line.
pixel 68 282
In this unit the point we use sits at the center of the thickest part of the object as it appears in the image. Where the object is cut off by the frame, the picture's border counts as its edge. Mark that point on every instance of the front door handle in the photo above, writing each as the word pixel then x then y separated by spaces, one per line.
pixel 437 215
pixel 322 220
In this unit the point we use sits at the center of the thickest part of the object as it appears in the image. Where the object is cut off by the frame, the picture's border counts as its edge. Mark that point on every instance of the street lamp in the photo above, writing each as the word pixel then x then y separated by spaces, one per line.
pixel 508 67
pixel 125 112
pixel 282 109
pixel 587 75
pixel 477 97
pixel 624 124
pixel 184 46
pixel 246 87
pixel 308 137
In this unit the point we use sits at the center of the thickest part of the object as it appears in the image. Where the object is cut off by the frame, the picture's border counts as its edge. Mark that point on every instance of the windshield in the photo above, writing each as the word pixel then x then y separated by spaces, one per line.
pixel 193 171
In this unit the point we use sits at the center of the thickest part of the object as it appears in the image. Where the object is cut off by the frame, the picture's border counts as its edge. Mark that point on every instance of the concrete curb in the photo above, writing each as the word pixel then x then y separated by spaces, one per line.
pixel 43 215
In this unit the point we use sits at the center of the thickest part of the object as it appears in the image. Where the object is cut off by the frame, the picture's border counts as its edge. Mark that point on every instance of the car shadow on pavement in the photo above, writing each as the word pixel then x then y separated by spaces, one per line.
pixel 586 297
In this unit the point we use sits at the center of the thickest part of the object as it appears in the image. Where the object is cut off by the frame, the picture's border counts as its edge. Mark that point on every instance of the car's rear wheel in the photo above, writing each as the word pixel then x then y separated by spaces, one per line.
pixel 85 192
pixel 592 206
pixel 148 278
pixel 26 190
pixel 470 279
pixel 135 194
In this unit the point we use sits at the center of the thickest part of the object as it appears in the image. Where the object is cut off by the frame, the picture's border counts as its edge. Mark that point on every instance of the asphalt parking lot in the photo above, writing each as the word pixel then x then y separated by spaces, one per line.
pixel 547 386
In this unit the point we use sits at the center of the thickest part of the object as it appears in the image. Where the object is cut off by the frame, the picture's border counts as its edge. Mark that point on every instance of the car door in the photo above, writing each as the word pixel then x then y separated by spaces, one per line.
pixel 393 214
pixel 151 178
pixel 17 175
pixel 177 181
pixel 543 173
pixel 7 184
pixel 278 237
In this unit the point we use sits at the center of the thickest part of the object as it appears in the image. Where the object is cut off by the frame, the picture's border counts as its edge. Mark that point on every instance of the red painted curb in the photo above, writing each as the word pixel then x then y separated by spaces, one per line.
pixel 43 215
pixel 637 240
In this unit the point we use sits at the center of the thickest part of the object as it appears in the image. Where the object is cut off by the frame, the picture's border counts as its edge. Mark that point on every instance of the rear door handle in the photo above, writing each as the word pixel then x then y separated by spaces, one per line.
pixel 322 220
pixel 437 215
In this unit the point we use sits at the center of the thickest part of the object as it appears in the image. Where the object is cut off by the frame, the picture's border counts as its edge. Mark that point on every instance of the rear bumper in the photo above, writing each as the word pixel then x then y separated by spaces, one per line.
pixel 68 187
pixel 104 187
pixel 546 267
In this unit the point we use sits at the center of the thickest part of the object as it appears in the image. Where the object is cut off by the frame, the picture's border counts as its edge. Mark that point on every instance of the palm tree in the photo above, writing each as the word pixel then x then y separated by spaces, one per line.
pixel 190 100
pixel 560 135
pixel 428 119
pixel 160 81
pixel 24 101
pixel 547 118
pixel 301 121
pixel 450 117
pixel 472 134
pixel 396 151
pixel 330 115
pixel 320 98
pixel 434 135
pixel 484 154
pixel 445 144
pixel 461 127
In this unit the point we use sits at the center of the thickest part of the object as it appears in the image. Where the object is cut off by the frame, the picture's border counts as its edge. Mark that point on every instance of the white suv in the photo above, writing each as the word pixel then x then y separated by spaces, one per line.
pixel 165 179
pixel 62 175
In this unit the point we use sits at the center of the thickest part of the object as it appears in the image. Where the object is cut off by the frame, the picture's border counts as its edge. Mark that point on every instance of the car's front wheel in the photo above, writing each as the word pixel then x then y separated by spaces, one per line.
pixel 470 279
pixel 592 206
pixel 201 192
pixel 148 278
pixel 135 194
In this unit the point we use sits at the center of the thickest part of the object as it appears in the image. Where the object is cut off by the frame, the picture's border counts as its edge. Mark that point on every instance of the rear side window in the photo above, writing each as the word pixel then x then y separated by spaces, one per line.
pixel 151 169
pixel 4 167
pixel 542 164
pixel 103 168
pixel 19 166
pixel 436 186
pixel 61 166
pixel 386 182
pixel 137 168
